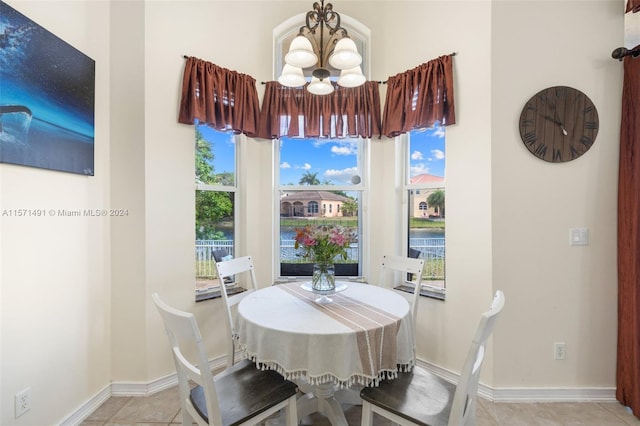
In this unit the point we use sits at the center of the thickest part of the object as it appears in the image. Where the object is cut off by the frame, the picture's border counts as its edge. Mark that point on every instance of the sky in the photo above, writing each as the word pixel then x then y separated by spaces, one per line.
pixel 333 160
pixel 427 152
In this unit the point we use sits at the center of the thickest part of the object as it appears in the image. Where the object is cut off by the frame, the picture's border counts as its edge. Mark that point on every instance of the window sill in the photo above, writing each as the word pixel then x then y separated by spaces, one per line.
pixel 424 292
pixel 214 292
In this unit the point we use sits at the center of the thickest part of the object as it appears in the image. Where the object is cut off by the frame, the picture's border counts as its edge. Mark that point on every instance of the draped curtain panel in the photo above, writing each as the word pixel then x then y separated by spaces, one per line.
pixel 347 112
pixel 419 97
pixel 223 99
pixel 633 6
pixel 628 360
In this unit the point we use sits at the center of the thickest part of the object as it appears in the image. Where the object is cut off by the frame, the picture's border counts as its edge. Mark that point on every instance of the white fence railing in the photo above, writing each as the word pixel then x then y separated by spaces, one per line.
pixel 431 249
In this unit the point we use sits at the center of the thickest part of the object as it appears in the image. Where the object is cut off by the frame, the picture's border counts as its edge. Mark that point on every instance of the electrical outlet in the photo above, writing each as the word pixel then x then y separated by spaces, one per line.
pixel 23 402
pixel 559 350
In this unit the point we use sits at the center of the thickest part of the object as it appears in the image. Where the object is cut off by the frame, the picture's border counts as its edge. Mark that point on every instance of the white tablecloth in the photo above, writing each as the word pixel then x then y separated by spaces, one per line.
pixel 363 336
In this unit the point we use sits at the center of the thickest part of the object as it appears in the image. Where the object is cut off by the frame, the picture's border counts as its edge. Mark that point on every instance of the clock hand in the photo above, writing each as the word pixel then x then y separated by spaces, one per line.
pixel 564 131
pixel 548 117
pixel 559 122
pixel 556 121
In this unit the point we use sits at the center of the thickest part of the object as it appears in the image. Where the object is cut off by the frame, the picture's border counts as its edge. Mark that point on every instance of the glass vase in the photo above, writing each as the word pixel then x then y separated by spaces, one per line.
pixel 324 276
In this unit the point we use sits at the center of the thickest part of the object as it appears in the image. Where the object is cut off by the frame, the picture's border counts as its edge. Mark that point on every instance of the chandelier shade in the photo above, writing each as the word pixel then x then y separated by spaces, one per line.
pixel 352 77
pixel 323 44
pixel 301 53
pixel 345 55
pixel 320 87
pixel 292 76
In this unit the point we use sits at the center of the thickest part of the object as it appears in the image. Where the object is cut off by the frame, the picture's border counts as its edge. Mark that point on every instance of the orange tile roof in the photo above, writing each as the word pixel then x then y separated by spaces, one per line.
pixel 425 178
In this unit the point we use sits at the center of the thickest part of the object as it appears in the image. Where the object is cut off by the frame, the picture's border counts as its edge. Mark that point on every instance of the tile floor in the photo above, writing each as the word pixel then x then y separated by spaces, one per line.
pixel 163 408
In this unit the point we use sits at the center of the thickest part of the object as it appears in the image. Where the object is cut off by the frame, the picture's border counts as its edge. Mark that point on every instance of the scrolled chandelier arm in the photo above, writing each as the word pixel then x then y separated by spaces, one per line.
pixel 309 48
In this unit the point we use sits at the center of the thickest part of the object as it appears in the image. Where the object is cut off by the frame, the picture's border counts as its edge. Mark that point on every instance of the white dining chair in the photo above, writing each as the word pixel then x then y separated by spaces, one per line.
pixel 396 271
pixel 240 395
pixel 242 270
pixel 422 398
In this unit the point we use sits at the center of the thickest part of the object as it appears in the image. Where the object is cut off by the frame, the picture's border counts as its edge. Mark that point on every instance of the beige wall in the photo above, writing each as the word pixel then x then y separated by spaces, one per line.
pixel 55 276
pixel 559 293
pixel 86 306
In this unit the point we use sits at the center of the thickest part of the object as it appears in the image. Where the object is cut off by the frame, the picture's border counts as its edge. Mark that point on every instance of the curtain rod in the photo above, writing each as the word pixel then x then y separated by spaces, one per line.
pixel 379 82
pixel 621 52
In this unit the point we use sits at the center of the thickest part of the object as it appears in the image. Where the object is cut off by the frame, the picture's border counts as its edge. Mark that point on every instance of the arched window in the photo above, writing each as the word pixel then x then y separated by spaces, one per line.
pixel 288 30
pixel 307 168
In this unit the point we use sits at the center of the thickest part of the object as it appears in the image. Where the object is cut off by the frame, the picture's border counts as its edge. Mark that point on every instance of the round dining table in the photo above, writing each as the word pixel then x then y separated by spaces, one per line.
pixel 355 336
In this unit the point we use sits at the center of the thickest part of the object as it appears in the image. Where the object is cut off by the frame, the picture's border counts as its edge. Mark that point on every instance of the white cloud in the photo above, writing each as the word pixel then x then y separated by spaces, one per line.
pixel 437 154
pixel 438 132
pixel 285 165
pixel 306 166
pixel 418 169
pixel 343 175
pixel 342 150
pixel 417 155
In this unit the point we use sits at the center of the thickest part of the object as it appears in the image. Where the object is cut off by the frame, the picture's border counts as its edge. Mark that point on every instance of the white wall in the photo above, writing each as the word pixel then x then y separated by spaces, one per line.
pixel 508 212
pixel 55 271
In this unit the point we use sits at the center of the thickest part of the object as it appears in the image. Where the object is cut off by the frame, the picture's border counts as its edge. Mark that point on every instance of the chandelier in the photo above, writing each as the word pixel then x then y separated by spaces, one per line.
pixel 321 43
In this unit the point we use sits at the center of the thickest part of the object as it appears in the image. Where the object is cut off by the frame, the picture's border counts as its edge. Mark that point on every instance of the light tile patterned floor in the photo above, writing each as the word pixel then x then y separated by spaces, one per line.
pixel 163 408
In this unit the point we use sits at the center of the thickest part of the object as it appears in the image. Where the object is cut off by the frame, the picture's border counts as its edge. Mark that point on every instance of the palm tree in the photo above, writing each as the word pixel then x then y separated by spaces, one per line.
pixel 436 200
pixel 309 179
pixel 350 207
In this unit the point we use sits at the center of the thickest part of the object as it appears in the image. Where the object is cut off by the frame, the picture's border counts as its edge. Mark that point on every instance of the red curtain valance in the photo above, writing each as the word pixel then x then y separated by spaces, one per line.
pixel 346 112
pixel 228 101
pixel 419 97
pixel 223 99
pixel 633 6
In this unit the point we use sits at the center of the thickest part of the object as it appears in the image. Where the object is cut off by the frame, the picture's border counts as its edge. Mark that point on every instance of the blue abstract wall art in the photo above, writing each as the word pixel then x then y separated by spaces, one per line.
pixel 47 97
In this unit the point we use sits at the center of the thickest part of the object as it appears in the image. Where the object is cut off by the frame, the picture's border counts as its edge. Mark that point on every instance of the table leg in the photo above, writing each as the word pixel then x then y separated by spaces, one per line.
pixel 322 401
pixel 349 395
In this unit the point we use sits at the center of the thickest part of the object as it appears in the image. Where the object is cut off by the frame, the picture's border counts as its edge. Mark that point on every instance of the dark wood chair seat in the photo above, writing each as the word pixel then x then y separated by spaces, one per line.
pixel 244 391
pixel 422 398
pixel 419 396
pixel 242 394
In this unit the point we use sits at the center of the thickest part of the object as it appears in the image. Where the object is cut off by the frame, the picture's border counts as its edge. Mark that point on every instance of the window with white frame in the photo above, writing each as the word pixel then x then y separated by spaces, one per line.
pixel 313 172
pixel 319 181
pixel 425 187
pixel 216 187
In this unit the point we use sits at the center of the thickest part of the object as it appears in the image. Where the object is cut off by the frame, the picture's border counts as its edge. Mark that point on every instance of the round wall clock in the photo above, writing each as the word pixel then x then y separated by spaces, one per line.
pixel 558 124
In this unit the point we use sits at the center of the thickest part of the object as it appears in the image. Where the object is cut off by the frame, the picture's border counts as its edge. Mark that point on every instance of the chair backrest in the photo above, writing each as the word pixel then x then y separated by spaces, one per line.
pixel 391 265
pixel 240 267
pixel 185 341
pixel 463 408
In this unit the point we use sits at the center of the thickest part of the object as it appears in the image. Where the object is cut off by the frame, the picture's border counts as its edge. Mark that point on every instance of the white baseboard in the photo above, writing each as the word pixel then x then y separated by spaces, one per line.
pixel 155 386
pixel 135 389
pixel 512 394
pixel 508 394
pixel 87 408
pixel 143 389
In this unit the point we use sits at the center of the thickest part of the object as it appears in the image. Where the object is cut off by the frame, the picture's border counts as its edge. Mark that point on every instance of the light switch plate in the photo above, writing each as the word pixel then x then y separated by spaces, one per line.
pixel 579 236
